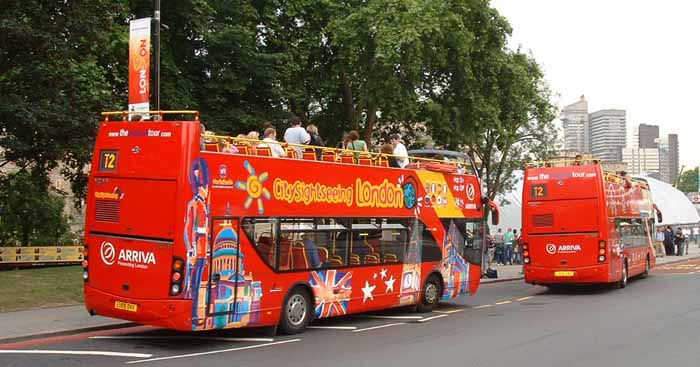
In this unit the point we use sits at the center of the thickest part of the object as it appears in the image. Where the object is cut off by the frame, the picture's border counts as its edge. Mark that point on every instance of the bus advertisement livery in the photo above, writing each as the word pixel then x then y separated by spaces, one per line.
pixel 181 235
pixel 582 225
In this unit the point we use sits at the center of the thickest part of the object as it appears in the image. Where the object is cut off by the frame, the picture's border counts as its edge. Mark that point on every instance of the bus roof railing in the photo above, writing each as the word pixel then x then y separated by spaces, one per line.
pixel 211 138
pixel 126 114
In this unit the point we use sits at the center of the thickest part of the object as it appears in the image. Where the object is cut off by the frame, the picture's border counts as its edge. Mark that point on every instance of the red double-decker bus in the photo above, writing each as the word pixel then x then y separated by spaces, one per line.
pixel 184 236
pixel 582 225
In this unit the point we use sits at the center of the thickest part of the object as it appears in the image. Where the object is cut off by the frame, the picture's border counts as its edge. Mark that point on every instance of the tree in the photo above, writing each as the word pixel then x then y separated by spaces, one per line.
pixel 688 182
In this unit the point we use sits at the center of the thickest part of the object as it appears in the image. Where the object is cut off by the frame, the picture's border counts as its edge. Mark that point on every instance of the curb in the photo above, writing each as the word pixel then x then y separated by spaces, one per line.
pixel 501 280
pixel 53 334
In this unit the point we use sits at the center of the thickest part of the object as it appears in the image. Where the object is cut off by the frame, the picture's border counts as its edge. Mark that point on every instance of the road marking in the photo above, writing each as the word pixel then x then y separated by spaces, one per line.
pixel 378 327
pixel 174 337
pixel 503 303
pixel 432 318
pixel 393 317
pixel 482 306
pixel 214 351
pixel 525 298
pixel 450 311
pixel 75 352
pixel 333 327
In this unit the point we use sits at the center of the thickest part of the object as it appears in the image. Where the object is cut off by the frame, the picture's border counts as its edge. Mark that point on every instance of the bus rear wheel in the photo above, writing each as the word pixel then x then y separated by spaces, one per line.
pixel 296 311
pixel 430 296
pixel 647 268
pixel 623 282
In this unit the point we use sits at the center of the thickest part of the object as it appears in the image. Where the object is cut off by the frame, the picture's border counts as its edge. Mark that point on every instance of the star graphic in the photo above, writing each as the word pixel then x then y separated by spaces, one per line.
pixel 390 284
pixel 367 292
pixel 383 273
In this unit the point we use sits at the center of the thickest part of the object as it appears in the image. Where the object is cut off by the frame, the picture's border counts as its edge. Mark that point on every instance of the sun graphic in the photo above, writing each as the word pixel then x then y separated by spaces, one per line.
pixel 253 185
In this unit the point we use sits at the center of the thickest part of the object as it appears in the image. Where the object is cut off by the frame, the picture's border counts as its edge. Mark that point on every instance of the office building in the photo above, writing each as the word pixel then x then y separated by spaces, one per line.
pixel 646 136
pixel 669 158
pixel 642 161
pixel 608 134
pixel 574 118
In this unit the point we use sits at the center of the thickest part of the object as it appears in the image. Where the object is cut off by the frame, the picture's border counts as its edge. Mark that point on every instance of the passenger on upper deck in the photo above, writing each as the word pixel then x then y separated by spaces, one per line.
pixel 389 150
pixel 356 143
pixel 399 150
pixel 297 135
pixel 578 160
pixel 271 138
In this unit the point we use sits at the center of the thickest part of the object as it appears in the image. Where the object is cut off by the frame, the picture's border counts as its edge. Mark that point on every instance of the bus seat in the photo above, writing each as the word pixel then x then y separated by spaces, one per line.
pixel 335 262
pixel 390 258
pixel 382 161
pixel 328 155
pixel 266 248
pixel 354 259
pixel 243 148
pixel 323 254
pixel 371 259
pixel 309 154
pixel 285 254
pixel 292 153
pixel 264 150
pixel 365 159
pixel 299 260
pixel 211 146
pixel 347 157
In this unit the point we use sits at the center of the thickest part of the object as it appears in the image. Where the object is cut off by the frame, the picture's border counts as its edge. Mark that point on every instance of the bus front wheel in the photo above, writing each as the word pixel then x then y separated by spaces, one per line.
pixel 430 296
pixel 296 311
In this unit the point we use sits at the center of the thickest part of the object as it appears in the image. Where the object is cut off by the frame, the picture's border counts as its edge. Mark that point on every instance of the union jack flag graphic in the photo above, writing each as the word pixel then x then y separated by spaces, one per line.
pixel 332 291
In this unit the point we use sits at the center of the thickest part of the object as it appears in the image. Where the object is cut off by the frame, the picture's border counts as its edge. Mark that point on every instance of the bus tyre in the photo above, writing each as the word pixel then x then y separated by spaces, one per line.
pixel 296 311
pixel 430 296
pixel 623 282
pixel 647 268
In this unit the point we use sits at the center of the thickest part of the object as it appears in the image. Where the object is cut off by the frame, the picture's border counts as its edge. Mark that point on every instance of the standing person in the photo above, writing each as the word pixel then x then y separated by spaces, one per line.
pixel 668 241
pixel 679 241
pixel 388 149
pixel 399 151
pixel 315 140
pixel 517 247
pixel 659 243
pixel 271 140
pixel 498 239
pixel 696 234
pixel 297 135
pixel 509 237
pixel 356 143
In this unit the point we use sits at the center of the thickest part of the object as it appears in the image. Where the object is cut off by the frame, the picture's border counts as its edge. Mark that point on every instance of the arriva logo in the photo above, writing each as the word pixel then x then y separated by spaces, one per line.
pixel 107 252
pixel 562 249
pixel 471 191
pixel 551 249
pixel 134 256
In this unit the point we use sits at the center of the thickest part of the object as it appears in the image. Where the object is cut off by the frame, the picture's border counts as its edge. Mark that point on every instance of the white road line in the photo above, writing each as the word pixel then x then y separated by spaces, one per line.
pixel 450 311
pixel 432 318
pixel 214 351
pixel 178 337
pixel 482 306
pixel 525 298
pixel 503 303
pixel 378 327
pixel 76 352
pixel 333 327
pixel 393 317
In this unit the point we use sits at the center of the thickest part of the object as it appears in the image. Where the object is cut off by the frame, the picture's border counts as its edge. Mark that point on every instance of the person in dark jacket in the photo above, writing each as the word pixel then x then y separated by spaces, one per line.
pixel 680 242
pixel 668 241
pixel 315 140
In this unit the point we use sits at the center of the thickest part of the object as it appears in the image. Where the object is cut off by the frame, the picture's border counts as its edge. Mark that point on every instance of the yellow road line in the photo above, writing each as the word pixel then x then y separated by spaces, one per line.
pixel 482 306
pixel 525 298
pixel 503 303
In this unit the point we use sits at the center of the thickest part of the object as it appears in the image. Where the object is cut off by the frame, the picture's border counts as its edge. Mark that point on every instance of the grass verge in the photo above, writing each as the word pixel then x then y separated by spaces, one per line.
pixel 40 287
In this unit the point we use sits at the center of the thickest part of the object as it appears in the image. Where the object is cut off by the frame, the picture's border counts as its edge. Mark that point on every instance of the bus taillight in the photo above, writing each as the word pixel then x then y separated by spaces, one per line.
pixel 176 277
pixel 602 250
pixel 526 253
pixel 85 264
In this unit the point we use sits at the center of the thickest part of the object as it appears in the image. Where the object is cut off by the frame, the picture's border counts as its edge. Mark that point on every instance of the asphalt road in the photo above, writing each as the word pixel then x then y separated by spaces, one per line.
pixel 653 321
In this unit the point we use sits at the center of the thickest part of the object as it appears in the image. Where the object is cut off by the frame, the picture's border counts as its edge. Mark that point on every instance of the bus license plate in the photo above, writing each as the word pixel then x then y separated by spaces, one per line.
pixel 119 305
pixel 563 273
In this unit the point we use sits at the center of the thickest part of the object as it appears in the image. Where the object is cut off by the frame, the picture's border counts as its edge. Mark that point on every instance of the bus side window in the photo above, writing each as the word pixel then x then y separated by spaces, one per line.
pixel 261 233
pixel 430 249
pixel 394 239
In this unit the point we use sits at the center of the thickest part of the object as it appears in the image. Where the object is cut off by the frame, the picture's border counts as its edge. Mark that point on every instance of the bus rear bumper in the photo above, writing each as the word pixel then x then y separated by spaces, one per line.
pixel 583 275
pixel 168 313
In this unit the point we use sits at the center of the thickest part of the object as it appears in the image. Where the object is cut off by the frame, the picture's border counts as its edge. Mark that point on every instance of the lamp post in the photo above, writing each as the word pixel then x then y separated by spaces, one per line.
pixel 156 58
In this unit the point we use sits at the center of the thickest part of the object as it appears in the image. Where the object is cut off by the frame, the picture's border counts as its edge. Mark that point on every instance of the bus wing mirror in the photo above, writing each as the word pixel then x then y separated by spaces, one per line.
pixel 495 213
pixel 659 216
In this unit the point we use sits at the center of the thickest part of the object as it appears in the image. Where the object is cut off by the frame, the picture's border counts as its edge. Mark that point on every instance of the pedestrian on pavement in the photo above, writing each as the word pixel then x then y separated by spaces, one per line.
pixel 499 239
pixel 696 234
pixel 659 242
pixel 517 249
pixel 297 135
pixel 668 241
pixel 508 239
pixel 680 242
pixel 399 151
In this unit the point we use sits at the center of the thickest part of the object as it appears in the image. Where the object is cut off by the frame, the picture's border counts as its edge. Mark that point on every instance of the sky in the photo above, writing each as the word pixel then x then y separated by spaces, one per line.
pixel 641 56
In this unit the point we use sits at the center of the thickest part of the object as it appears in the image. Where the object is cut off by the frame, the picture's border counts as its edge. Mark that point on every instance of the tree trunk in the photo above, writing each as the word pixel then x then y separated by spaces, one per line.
pixel 369 126
pixel 348 102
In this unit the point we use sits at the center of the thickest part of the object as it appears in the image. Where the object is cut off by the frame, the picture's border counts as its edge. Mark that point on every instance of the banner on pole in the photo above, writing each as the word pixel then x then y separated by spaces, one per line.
pixel 139 65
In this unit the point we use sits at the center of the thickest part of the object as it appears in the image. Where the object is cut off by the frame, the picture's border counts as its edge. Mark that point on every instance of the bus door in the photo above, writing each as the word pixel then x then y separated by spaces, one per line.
pixel 226 290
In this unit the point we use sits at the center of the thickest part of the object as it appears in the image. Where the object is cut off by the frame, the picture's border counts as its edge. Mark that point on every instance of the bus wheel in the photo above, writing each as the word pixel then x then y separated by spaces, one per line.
pixel 432 290
pixel 647 268
pixel 623 282
pixel 296 311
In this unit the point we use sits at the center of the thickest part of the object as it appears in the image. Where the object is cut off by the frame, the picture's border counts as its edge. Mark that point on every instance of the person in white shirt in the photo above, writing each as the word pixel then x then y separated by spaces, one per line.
pixel 399 151
pixel 297 135
pixel 271 140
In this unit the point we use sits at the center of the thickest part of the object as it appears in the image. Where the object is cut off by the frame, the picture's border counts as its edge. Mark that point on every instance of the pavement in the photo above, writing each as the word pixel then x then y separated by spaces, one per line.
pixel 653 321
pixel 54 322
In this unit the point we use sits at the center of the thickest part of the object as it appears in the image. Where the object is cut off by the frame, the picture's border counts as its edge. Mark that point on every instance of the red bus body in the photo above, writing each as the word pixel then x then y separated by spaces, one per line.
pixel 159 205
pixel 583 226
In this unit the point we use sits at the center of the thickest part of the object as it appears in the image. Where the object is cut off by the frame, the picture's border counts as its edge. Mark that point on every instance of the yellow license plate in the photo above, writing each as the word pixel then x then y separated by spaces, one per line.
pixel 563 273
pixel 119 305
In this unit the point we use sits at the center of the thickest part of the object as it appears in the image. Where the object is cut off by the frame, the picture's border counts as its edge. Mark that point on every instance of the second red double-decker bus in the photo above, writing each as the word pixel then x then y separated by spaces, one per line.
pixel 582 225
pixel 186 235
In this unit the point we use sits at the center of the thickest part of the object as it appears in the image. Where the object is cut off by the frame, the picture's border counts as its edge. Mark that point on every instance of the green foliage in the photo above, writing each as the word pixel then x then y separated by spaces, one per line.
pixel 688 182
pixel 424 68
pixel 29 214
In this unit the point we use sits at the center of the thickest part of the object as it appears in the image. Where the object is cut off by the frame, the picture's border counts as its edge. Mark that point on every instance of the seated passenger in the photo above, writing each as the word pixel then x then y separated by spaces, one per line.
pixel 388 150
pixel 578 160
pixel 271 138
